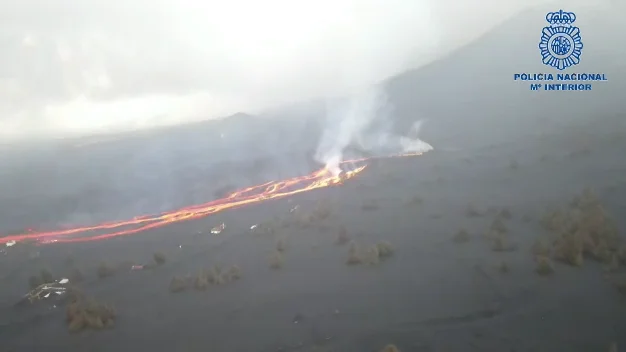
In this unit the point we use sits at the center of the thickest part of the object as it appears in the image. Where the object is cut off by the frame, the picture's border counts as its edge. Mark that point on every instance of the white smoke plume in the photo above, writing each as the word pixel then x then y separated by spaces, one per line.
pixel 363 122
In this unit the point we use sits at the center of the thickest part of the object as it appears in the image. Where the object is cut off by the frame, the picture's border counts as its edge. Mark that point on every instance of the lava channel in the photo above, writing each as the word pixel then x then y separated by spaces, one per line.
pixel 251 195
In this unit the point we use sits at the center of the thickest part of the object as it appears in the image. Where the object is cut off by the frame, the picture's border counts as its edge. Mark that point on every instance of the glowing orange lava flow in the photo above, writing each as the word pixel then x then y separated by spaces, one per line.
pixel 250 195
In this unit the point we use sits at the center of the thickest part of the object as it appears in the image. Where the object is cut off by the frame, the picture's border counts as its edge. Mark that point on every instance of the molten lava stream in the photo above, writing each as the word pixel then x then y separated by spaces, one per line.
pixel 250 195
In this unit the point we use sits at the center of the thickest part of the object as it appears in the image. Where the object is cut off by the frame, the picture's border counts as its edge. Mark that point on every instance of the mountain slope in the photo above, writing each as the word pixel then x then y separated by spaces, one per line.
pixel 473 88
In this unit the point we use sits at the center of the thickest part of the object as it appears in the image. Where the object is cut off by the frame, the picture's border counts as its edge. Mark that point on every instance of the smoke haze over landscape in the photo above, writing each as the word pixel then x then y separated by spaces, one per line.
pixel 151 149
pixel 154 70
pixel 75 68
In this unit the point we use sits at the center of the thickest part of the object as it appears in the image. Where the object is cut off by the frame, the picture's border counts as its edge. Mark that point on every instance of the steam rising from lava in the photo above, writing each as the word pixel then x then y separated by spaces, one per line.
pixel 251 195
pixel 363 122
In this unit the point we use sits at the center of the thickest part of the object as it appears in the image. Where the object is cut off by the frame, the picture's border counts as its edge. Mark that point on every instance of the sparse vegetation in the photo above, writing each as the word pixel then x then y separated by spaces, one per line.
pixel 544 266
pixel 159 258
pixel 89 314
pixel 205 278
pixel 201 281
pixel 584 229
pixel 316 216
pixel 372 255
pixel 461 237
pixel 277 260
pixel 354 254
pixel 385 249
pixel 568 249
pixel 601 252
pixel 233 273
pixel 216 276
pixel 390 348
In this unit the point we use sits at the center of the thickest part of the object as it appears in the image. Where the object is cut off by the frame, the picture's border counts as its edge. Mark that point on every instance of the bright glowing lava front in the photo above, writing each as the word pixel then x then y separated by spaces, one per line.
pixel 255 194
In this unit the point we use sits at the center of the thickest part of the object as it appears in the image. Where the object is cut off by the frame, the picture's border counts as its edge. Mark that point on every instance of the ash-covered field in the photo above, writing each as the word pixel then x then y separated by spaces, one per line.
pixel 480 260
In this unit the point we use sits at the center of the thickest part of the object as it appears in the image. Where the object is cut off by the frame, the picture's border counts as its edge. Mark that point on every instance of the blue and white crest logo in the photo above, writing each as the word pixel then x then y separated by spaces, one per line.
pixel 561 45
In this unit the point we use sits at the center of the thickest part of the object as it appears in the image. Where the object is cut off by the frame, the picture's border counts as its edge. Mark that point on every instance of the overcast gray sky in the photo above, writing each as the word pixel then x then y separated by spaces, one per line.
pixel 81 66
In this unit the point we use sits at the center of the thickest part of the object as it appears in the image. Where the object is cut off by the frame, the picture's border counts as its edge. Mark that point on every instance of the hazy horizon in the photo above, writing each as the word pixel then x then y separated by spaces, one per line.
pixel 91 67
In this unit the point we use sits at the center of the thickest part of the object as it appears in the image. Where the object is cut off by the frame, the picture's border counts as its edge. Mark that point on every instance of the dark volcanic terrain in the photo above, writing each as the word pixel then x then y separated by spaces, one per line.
pixel 480 261
pixel 435 293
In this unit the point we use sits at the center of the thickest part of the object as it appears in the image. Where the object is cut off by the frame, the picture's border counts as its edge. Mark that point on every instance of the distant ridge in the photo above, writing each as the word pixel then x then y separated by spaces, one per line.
pixel 473 88
pixel 470 89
